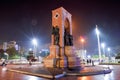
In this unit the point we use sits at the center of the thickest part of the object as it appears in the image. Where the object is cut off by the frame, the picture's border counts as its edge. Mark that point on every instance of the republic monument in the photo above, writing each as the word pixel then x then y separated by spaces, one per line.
pixel 61 49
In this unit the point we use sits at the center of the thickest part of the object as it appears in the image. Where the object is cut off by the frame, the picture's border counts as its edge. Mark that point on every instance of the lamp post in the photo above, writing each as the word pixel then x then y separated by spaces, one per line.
pixel 82 40
pixel 34 41
pixel 103 47
pixel 109 53
pixel 98 39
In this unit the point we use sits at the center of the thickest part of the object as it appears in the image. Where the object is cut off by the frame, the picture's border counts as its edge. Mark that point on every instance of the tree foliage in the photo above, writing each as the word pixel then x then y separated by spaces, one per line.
pixel 12 52
pixel 31 57
pixel 44 54
pixel 1 53
pixel 118 56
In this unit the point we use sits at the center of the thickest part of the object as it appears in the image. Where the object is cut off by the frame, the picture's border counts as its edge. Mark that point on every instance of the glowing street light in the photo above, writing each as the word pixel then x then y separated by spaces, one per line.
pixel 103 45
pixel 30 49
pixel 108 49
pixel 34 41
pixel 98 33
pixel 82 40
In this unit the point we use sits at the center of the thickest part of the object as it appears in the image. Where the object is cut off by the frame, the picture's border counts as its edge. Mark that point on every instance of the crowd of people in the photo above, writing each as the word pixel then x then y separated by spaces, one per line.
pixel 89 62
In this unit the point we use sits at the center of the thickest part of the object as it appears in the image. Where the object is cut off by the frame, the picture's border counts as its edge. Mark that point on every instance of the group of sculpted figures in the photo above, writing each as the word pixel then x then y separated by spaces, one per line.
pixel 68 39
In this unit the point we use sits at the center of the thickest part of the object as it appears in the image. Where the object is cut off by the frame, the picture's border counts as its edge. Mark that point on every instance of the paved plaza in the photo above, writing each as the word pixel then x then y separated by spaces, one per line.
pixel 39 72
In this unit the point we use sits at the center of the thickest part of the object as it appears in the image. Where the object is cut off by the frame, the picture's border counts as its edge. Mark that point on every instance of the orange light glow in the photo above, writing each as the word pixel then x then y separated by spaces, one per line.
pixel 82 39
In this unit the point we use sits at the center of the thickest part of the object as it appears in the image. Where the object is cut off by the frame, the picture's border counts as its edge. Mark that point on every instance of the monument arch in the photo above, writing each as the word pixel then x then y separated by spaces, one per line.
pixel 62 49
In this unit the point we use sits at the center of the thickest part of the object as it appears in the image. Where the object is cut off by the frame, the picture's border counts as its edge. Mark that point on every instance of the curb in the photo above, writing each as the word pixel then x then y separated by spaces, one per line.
pixel 64 73
pixel 90 73
pixel 39 75
pixel 109 63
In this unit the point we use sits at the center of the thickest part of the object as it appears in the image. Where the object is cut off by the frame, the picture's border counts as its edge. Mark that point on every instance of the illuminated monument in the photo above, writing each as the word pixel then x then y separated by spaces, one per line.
pixel 61 50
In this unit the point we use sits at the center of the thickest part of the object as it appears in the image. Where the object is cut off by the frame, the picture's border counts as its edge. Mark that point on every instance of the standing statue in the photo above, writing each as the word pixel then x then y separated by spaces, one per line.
pixel 71 40
pixel 68 39
pixel 55 32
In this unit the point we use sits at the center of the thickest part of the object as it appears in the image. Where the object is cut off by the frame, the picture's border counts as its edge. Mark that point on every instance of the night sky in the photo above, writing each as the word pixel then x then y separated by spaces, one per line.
pixel 22 20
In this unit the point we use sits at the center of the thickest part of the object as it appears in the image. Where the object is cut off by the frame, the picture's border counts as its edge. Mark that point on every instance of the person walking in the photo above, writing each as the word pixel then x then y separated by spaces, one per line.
pixel 4 63
pixel 93 63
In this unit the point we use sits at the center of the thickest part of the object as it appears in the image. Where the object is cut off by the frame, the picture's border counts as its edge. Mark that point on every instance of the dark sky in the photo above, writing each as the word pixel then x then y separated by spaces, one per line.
pixel 22 20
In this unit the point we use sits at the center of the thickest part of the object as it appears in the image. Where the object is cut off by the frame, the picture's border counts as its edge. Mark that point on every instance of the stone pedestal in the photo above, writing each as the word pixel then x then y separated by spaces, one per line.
pixel 51 60
pixel 72 60
pixel 54 59
pixel 69 59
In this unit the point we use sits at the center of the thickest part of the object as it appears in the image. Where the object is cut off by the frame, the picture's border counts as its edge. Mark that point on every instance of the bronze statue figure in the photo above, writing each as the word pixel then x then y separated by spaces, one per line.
pixel 55 32
pixel 68 39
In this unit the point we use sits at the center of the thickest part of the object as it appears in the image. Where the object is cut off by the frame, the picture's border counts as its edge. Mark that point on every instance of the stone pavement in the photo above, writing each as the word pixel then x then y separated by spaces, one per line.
pixel 50 73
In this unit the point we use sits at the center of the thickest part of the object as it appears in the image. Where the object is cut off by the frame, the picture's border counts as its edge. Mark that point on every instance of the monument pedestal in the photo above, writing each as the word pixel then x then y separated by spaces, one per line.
pixel 69 59
pixel 72 60
pixel 54 59
pixel 51 60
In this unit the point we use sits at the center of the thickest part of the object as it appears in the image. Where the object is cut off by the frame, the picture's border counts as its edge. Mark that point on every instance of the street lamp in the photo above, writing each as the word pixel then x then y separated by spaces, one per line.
pixel 109 53
pixel 34 41
pixel 98 38
pixel 103 47
pixel 109 49
pixel 30 49
pixel 82 40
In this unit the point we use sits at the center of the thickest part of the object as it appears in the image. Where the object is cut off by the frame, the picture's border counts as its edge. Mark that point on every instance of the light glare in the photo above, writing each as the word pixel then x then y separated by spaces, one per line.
pixel 108 49
pixel 34 41
pixel 103 45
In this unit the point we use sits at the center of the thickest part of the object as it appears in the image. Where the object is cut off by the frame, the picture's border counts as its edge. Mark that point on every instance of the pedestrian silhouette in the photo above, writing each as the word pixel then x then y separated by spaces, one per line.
pixel 4 63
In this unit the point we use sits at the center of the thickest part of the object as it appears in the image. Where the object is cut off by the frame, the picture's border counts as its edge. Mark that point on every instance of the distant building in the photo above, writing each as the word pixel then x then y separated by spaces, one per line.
pixel 1 46
pixel 7 45
pixel 11 44
pixel 81 53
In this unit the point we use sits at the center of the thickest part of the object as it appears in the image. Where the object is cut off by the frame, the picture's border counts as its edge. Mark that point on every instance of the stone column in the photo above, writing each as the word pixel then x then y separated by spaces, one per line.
pixel 52 40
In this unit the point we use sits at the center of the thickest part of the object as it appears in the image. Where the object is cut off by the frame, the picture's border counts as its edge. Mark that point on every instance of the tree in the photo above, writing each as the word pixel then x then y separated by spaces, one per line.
pixel 31 57
pixel 118 56
pixel 12 52
pixel 44 54
pixel 1 53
